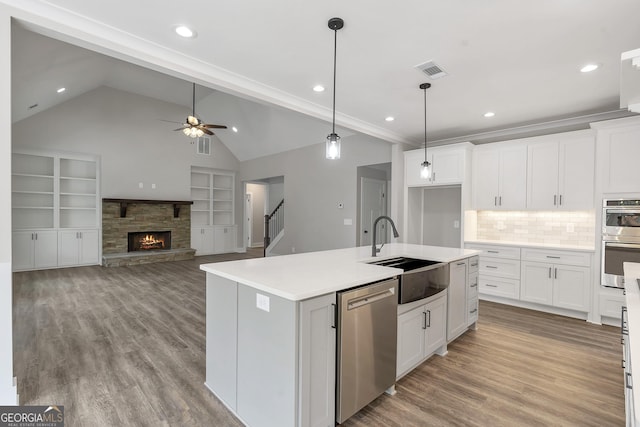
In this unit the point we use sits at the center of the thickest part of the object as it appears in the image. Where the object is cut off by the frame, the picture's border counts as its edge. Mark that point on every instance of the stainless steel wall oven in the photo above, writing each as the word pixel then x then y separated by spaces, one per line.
pixel 620 239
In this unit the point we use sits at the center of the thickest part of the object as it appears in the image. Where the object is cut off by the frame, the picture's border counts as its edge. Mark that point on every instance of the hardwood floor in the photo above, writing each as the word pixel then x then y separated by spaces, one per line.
pixel 126 346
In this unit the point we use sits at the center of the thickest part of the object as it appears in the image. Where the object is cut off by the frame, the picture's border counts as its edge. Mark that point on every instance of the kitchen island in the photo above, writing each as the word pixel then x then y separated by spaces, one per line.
pixel 271 336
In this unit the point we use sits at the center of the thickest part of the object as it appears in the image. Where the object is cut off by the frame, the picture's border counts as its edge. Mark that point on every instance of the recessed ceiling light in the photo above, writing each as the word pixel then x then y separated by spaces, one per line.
pixel 62 89
pixel 318 88
pixel 389 119
pixel 489 114
pixel 185 32
pixel 588 68
pixel 235 129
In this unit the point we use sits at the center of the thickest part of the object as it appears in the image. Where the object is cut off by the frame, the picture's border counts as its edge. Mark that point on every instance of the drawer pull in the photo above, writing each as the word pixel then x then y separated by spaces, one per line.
pixel 491 266
pixel 474 285
pixel 553 257
pixel 494 252
pixel 628 381
pixel 475 264
pixel 491 286
pixel 461 263
pixel 475 310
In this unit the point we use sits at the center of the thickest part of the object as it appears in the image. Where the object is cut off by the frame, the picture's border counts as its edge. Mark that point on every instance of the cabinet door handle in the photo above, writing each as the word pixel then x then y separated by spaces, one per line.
pixel 32 238
pixel 555 273
pixel 429 321
pixel 560 200
pixel 475 264
pixel 495 201
pixel 434 177
pixel 36 236
pixel 555 199
pixel 628 382
pixel 549 272
pixel 334 316
pixel 474 285
pixel 424 320
pixel 500 200
pixel 461 263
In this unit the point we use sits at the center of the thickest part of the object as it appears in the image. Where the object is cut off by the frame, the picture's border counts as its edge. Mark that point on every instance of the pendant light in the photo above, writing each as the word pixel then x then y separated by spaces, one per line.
pixel 425 170
pixel 333 140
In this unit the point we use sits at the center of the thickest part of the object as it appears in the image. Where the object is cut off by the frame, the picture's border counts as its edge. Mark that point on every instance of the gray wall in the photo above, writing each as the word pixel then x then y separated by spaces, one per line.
pixel 441 208
pixel 314 187
pixel 135 145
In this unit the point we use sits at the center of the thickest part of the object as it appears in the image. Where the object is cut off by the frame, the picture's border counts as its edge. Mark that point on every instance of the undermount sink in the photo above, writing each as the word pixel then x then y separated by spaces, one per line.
pixel 406 264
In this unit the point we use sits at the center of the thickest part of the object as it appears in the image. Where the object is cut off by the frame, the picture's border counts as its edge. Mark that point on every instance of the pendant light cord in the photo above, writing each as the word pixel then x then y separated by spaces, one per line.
pixel 335 48
pixel 425 124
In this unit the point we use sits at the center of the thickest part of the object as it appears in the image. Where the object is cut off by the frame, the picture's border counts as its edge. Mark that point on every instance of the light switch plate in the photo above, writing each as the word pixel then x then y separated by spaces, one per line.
pixel 348 221
pixel 262 302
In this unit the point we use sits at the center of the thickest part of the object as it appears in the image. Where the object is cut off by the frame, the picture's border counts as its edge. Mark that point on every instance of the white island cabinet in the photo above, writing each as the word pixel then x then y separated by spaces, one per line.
pixel 271 331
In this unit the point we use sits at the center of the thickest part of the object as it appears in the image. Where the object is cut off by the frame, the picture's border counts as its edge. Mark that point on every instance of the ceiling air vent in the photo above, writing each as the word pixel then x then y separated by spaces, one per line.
pixel 432 70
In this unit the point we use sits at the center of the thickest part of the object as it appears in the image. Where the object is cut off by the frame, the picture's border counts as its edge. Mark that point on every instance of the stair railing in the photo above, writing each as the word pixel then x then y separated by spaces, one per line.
pixel 273 224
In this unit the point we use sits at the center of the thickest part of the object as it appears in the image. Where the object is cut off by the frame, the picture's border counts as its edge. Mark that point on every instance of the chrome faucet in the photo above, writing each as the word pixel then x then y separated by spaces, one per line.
pixel 374 249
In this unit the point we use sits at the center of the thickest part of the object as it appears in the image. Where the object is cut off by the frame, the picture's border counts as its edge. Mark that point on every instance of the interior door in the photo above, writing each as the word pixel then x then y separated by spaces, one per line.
pixel 372 204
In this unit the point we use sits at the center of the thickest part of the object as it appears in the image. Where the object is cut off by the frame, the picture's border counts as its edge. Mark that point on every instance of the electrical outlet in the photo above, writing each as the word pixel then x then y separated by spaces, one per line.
pixel 153 186
pixel 456 224
pixel 348 221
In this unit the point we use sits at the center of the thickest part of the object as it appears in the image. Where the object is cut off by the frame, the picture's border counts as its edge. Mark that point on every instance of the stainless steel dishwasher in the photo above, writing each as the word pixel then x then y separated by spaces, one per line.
pixel 367 342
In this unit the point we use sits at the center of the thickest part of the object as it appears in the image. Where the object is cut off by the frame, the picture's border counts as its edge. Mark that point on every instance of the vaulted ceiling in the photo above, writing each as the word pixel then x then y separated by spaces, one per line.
pixel 520 60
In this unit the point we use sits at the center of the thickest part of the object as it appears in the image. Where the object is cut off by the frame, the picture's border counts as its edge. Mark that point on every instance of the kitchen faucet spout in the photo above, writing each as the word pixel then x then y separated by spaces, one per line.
pixel 374 249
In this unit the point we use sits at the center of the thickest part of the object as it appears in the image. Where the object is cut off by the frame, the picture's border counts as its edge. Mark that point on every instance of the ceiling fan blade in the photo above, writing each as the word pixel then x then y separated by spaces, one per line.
pixel 207 131
pixel 214 126
pixel 170 121
pixel 178 129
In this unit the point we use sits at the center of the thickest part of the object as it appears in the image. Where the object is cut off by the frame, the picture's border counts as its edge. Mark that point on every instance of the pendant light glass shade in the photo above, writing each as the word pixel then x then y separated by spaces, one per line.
pixel 425 169
pixel 333 140
pixel 333 146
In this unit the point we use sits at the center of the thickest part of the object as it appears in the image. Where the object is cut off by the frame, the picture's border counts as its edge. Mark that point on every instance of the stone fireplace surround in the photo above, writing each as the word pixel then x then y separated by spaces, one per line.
pixel 143 215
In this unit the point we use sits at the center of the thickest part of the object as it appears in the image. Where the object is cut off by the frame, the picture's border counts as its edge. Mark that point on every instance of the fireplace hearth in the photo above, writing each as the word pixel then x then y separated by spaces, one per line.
pixel 149 241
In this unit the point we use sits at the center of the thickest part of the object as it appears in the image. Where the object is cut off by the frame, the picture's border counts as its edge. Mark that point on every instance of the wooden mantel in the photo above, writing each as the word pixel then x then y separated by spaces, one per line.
pixel 124 202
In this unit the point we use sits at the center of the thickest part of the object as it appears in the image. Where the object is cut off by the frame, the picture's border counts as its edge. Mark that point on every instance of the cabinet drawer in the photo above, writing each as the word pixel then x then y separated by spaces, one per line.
pixel 473 264
pixel 473 285
pixel 506 288
pixel 610 305
pixel 557 257
pixel 472 310
pixel 507 268
pixel 495 251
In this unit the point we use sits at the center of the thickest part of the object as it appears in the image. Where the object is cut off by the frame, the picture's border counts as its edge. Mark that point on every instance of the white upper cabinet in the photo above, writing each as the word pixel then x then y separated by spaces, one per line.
pixel 500 177
pixel 618 150
pixel 561 172
pixel 447 165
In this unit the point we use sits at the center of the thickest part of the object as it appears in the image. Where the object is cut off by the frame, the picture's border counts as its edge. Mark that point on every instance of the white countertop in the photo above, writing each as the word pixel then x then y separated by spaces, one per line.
pixel 298 277
pixel 533 245
pixel 632 291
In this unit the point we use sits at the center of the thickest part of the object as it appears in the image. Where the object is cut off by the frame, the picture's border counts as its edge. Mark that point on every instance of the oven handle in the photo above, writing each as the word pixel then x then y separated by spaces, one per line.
pixel 630 210
pixel 622 245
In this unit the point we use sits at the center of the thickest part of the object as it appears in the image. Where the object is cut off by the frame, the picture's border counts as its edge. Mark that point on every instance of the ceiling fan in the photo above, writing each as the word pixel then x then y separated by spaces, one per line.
pixel 193 126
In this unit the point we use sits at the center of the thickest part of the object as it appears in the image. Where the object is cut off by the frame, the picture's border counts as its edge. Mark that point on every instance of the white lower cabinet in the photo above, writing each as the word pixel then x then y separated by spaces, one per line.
pixel 78 247
pixel 556 284
pixel 422 330
pixel 457 299
pixel 217 239
pixel 34 249
pixel 287 347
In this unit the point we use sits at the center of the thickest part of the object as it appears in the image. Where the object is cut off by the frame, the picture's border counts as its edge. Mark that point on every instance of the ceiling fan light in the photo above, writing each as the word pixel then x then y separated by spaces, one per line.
pixel 199 132
pixel 187 131
pixel 193 120
pixel 333 146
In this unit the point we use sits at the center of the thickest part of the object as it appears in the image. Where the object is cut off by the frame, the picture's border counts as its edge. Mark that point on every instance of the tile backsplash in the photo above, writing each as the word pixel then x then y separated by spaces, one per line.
pixel 575 228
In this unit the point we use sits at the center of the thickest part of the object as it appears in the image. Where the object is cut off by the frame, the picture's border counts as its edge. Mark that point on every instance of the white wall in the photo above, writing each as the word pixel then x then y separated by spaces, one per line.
pixel 8 394
pixel 127 132
pixel 314 187
pixel 257 216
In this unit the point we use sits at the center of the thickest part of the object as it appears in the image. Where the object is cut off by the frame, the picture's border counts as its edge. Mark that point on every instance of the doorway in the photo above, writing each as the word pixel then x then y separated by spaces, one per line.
pixel 255 208
pixel 373 201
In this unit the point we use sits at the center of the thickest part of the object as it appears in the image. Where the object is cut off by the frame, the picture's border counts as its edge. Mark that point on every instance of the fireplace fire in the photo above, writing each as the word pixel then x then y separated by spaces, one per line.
pixel 149 241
